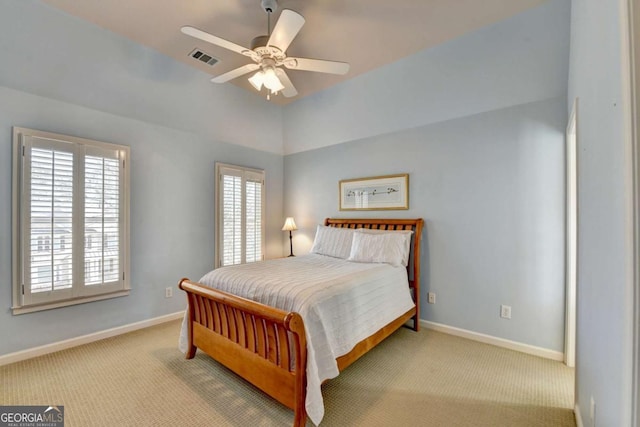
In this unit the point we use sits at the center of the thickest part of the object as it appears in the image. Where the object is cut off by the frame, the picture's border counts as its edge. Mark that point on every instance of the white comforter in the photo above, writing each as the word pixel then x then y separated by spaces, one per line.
pixel 341 303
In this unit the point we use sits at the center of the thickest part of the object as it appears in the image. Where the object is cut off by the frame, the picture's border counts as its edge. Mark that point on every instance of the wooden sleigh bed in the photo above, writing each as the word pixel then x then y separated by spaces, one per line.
pixel 266 345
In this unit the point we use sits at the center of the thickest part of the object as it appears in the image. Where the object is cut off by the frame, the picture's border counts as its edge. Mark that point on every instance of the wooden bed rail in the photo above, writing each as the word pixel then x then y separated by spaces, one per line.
pixel 264 345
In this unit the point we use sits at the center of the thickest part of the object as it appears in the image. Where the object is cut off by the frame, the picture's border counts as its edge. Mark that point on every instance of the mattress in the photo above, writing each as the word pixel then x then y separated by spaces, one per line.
pixel 341 303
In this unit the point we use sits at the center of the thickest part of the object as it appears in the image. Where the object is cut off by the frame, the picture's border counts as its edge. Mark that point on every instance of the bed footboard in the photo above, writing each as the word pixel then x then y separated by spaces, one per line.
pixel 264 345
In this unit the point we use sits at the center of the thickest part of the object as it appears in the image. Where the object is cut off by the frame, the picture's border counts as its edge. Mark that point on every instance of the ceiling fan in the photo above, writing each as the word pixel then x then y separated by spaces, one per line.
pixel 269 54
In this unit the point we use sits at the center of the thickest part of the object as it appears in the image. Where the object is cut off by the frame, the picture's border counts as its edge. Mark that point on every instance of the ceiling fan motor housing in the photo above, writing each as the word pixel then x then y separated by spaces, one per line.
pixel 259 41
pixel 260 50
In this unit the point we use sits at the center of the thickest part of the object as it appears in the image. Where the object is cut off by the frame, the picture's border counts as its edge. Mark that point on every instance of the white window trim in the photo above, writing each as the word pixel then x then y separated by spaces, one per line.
pixel 218 208
pixel 17 303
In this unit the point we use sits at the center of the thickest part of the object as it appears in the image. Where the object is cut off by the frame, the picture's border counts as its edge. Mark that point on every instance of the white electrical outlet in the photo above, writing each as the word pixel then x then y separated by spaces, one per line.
pixel 505 311
pixel 431 298
pixel 168 293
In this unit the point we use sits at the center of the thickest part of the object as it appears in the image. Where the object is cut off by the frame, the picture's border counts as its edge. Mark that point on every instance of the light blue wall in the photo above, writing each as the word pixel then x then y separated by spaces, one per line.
pixel 490 189
pixel 522 59
pixel 605 293
pixel 104 96
pixel 489 181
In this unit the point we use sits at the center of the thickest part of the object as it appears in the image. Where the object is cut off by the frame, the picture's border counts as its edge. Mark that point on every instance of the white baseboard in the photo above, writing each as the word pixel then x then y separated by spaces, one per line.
pixel 85 339
pixel 500 342
pixel 576 411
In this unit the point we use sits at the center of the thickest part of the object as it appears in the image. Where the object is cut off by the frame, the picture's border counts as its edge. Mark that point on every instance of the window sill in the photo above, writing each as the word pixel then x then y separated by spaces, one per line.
pixel 66 303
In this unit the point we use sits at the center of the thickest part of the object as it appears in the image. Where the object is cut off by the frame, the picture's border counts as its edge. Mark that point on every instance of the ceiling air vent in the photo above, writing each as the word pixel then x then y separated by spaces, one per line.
pixel 203 57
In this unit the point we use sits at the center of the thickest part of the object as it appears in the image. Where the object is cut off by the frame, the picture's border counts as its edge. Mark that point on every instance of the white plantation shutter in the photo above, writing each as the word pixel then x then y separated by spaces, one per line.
pixel 231 219
pixel 49 204
pixel 253 215
pixel 72 199
pixel 240 215
pixel 101 217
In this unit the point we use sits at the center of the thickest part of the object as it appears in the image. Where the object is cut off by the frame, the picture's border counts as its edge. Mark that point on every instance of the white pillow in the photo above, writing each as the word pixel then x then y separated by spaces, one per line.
pixel 406 233
pixel 383 248
pixel 333 241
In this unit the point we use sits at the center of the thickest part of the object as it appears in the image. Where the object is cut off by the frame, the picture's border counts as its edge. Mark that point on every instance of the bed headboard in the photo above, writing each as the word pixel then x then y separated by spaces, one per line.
pixel 413 269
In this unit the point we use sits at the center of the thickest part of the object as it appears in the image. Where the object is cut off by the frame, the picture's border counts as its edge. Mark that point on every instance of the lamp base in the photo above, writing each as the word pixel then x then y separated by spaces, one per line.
pixel 290 244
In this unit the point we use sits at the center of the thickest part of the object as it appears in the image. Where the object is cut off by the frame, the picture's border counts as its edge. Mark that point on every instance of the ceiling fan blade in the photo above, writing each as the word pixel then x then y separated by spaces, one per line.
pixel 210 38
pixel 317 65
pixel 222 78
pixel 289 90
pixel 288 25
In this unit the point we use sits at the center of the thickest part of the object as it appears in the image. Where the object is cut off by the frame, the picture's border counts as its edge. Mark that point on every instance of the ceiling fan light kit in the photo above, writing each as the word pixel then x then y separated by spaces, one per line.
pixel 269 54
pixel 266 77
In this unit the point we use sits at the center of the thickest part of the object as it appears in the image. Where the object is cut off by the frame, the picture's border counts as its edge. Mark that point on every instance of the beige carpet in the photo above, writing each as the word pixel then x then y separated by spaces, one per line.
pixel 411 379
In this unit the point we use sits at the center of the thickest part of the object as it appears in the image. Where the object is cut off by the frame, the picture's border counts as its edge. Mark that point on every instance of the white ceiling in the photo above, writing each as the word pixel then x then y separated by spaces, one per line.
pixel 365 33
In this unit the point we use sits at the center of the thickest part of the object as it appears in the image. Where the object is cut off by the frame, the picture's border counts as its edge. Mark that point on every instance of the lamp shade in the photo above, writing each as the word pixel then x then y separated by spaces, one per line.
pixel 271 81
pixel 257 79
pixel 289 224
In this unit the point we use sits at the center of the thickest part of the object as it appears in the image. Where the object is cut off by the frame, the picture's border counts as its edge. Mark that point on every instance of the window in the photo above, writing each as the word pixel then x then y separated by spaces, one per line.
pixel 68 193
pixel 240 215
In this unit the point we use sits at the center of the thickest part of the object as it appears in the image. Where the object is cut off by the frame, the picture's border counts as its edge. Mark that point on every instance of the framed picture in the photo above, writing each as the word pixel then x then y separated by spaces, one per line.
pixel 375 193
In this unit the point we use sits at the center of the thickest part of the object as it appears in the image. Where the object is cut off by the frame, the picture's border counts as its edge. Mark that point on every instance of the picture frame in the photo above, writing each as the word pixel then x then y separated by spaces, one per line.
pixel 388 192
